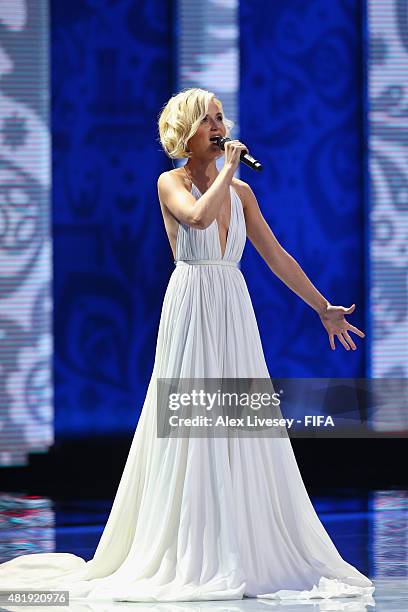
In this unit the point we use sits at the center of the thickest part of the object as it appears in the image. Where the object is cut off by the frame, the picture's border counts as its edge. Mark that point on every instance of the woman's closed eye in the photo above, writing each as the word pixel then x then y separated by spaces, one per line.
pixel 219 118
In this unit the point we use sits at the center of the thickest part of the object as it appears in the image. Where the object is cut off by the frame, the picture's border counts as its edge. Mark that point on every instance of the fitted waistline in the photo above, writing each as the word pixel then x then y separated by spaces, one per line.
pixel 204 262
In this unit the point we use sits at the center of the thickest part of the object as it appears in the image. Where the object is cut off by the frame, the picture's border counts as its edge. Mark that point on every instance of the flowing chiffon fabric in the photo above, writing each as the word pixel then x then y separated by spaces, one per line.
pixel 203 518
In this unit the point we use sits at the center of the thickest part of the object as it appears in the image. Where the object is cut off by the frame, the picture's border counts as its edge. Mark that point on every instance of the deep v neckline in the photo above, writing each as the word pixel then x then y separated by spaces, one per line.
pixel 216 222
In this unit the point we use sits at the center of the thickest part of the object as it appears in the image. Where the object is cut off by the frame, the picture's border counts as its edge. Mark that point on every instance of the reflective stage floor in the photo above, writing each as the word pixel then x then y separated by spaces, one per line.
pixel 370 530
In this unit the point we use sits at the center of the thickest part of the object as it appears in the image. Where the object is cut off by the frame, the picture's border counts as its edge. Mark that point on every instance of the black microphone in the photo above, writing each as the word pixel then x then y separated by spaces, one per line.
pixel 244 157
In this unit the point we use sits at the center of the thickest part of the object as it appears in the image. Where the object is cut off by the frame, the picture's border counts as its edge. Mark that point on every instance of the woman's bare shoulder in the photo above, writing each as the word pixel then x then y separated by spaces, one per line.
pixel 242 188
pixel 174 177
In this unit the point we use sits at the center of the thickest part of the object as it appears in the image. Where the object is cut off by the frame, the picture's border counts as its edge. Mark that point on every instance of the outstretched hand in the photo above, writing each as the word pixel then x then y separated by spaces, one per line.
pixel 334 322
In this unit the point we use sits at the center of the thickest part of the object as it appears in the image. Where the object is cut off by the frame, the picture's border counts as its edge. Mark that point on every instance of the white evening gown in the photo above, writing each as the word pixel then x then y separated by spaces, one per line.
pixel 203 518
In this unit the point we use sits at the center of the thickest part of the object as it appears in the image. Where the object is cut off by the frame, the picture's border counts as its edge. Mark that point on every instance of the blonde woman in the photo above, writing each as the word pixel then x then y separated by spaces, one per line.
pixel 204 518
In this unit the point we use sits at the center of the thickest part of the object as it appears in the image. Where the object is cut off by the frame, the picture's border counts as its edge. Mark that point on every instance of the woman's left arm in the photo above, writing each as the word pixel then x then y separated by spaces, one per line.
pixel 285 267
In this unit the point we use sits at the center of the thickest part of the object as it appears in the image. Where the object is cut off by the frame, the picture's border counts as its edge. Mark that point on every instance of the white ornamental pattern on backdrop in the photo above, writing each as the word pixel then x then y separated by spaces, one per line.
pixel 388 134
pixel 26 415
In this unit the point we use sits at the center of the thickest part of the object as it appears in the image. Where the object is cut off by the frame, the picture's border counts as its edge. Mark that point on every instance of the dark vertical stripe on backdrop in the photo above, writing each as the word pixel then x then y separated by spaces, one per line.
pixel 301 113
pixel 111 74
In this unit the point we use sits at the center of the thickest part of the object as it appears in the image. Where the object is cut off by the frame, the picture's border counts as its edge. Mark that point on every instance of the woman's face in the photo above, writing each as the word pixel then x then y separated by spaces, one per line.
pixel 212 125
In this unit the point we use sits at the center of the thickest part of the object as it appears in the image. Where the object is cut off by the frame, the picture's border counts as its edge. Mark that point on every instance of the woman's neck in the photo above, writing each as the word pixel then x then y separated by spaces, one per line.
pixel 203 172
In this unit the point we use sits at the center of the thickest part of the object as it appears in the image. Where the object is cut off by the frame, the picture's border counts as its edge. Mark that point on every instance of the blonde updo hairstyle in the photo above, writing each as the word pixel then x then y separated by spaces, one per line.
pixel 180 119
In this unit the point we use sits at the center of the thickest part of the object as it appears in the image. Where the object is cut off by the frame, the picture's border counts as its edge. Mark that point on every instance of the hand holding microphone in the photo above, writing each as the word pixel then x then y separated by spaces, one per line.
pixel 231 152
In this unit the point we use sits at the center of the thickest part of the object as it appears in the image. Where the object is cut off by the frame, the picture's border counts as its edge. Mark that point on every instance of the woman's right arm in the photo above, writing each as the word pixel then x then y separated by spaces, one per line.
pixel 202 212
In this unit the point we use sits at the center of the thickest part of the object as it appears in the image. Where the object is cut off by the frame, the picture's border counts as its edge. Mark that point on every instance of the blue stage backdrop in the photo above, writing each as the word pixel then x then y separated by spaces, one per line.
pixel 111 73
pixel 301 109
pixel 300 112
